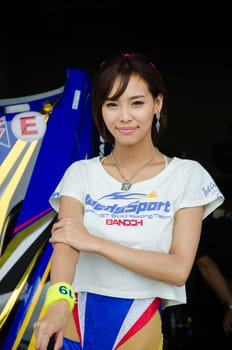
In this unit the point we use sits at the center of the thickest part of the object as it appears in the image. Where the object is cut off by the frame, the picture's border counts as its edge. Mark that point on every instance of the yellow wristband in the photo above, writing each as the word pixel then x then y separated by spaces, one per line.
pixel 60 291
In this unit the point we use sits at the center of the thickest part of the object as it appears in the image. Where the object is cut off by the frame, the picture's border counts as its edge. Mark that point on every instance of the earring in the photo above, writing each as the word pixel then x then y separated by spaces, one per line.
pixel 157 125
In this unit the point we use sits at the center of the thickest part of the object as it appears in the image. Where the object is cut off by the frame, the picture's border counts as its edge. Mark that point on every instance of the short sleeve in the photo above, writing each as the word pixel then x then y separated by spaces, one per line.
pixel 199 188
pixel 69 185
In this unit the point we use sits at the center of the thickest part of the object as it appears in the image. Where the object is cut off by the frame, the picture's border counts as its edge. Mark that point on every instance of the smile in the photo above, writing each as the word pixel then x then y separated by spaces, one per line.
pixel 127 130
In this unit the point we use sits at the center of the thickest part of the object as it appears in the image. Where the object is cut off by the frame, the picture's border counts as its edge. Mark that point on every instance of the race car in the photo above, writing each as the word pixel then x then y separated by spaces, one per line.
pixel 40 136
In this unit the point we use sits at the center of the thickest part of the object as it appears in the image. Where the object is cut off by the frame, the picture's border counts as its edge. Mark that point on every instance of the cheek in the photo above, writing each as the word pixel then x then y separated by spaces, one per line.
pixel 110 127
pixel 147 117
pixel 109 117
pixel 109 123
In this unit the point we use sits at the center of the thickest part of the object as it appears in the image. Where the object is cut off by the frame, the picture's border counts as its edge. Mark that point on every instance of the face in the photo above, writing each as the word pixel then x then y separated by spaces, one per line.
pixel 129 119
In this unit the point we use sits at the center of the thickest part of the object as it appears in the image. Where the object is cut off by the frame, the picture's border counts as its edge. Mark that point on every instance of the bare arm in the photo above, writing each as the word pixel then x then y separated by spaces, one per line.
pixel 63 265
pixel 216 280
pixel 172 268
pixel 214 277
pixel 65 257
pixel 69 236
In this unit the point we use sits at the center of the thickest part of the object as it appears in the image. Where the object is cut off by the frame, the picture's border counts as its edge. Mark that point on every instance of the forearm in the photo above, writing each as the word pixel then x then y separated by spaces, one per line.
pixel 219 285
pixel 58 304
pixel 171 267
pixel 165 267
pixel 63 263
pixel 215 279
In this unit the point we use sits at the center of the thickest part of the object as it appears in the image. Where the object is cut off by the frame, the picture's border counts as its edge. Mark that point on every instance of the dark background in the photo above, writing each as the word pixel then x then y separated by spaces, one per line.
pixel 40 41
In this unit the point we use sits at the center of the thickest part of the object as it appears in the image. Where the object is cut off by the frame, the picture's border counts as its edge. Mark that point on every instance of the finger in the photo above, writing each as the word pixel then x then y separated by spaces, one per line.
pixel 58 341
pixel 42 341
pixel 43 334
pixel 59 219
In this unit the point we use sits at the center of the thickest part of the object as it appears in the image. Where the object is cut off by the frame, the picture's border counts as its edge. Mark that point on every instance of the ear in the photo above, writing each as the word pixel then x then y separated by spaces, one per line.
pixel 158 102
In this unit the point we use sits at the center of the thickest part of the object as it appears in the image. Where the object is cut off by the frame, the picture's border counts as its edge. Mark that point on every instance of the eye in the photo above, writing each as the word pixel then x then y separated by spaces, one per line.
pixel 110 105
pixel 137 103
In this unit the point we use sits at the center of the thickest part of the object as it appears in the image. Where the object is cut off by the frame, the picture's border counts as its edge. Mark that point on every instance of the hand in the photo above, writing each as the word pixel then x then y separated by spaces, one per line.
pixel 72 232
pixel 227 322
pixel 53 323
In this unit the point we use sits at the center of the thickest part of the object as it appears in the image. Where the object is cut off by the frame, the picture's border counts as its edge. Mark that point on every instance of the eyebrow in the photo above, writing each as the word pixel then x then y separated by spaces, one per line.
pixel 137 96
pixel 131 98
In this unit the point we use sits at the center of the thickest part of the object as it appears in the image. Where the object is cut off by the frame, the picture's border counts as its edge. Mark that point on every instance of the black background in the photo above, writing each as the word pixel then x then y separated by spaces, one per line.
pixel 190 45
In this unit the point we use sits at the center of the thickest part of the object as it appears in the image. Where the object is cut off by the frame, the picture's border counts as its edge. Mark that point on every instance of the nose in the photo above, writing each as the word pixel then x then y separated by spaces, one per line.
pixel 125 115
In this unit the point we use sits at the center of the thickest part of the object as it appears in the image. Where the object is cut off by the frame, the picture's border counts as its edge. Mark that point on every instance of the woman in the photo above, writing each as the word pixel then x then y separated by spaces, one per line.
pixel 129 223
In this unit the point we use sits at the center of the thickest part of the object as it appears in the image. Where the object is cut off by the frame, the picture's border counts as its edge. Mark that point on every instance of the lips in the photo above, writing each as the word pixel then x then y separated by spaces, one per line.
pixel 127 130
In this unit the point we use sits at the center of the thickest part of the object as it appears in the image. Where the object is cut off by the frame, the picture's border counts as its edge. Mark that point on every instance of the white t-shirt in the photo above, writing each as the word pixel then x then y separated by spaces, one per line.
pixel 141 218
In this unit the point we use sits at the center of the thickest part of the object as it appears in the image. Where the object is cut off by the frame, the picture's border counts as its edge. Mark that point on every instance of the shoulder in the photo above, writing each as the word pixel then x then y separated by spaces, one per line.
pixel 82 167
pixel 187 165
pixel 84 163
pixel 186 161
pixel 193 173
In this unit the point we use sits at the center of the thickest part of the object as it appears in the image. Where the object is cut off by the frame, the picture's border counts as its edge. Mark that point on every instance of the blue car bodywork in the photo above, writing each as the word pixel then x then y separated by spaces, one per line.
pixel 29 172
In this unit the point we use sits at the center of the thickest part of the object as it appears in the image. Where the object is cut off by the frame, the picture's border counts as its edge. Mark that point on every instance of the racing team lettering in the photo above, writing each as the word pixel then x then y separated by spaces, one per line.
pixel 28 126
pixel 124 222
pixel 136 207
pixel 209 188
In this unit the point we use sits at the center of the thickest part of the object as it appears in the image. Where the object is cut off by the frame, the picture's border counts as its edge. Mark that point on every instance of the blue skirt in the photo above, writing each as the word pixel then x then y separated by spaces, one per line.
pixel 106 323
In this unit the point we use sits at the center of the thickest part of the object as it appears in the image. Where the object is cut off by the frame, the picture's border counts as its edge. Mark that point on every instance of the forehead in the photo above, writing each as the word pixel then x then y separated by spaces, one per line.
pixel 136 86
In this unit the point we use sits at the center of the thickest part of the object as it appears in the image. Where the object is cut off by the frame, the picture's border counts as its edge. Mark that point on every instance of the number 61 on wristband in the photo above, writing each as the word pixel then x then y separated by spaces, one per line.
pixel 60 291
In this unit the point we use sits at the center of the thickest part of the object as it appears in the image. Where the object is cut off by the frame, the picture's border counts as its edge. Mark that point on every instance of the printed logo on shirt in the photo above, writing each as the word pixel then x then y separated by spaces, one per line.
pixel 209 188
pixel 128 209
pixel 124 222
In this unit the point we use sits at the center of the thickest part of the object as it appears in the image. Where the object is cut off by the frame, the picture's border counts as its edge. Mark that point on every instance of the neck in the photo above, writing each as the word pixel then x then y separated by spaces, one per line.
pixel 126 185
pixel 132 155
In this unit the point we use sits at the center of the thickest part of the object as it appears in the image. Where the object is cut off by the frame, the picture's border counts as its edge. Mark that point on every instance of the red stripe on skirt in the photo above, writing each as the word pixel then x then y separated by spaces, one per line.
pixel 144 318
